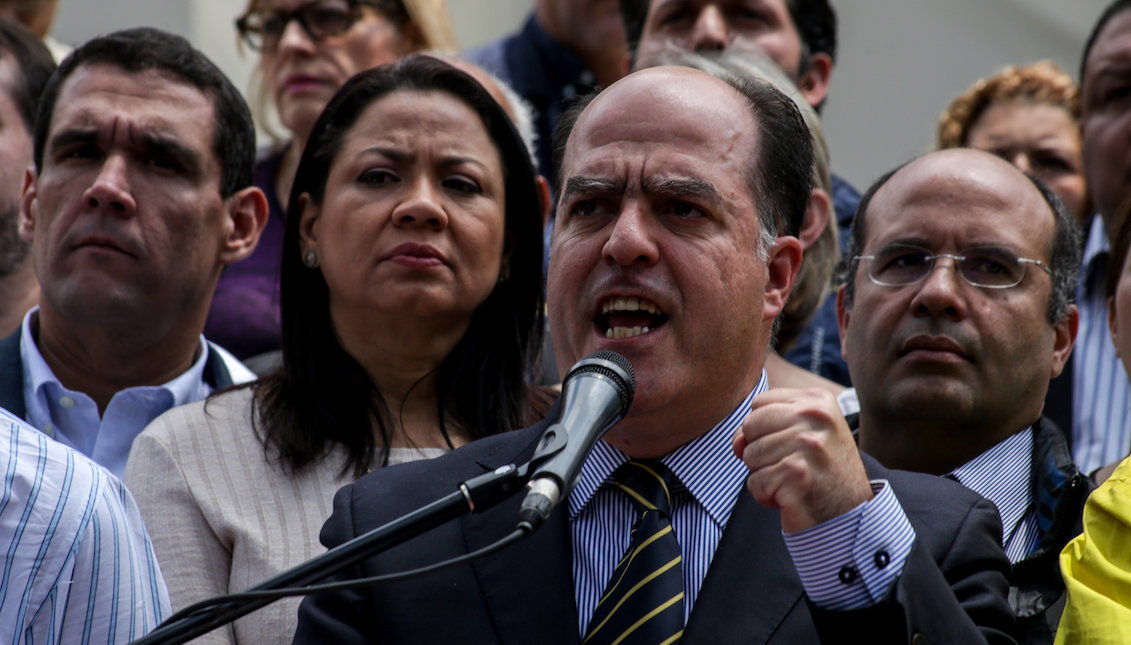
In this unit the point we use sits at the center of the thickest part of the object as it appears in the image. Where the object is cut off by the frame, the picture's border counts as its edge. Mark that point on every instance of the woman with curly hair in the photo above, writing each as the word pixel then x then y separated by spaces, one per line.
pixel 1027 116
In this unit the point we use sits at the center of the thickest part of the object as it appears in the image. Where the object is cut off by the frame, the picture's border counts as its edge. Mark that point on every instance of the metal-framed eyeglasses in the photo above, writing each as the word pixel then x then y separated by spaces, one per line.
pixel 989 267
pixel 263 29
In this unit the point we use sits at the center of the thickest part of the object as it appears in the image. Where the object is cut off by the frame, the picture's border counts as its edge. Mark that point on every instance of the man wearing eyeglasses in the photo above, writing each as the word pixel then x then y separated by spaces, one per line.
pixel 955 313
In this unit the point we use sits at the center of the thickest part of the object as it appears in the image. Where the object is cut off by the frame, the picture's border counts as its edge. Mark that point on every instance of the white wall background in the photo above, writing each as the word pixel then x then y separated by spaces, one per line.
pixel 900 61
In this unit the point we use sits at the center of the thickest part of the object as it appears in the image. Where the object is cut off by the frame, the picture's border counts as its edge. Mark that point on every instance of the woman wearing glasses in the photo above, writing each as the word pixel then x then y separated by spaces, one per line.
pixel 411 294
pixel 307 50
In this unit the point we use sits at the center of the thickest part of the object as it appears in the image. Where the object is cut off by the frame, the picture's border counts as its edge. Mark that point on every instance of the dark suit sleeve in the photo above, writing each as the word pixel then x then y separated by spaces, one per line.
pixel 337 617
pixel 953 588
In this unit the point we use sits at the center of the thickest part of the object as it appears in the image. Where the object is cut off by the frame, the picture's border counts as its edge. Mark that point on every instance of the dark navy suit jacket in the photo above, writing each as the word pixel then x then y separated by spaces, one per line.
pixel 952 590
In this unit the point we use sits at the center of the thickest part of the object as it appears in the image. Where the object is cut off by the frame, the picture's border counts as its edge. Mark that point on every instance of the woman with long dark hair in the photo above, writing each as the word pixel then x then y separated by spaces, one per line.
pixel 411 306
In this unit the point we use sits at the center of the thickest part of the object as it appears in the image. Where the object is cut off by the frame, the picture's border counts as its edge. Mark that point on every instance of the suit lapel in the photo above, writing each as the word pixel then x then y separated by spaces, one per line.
pixel 735 604
pixel 528 587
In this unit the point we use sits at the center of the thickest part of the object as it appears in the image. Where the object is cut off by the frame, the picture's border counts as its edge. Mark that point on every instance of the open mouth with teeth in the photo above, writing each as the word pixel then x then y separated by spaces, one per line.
pixel 622 317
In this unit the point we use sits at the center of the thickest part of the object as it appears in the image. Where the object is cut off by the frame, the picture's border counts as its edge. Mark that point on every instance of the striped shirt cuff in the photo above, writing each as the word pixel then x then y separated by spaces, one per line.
pixel 852 561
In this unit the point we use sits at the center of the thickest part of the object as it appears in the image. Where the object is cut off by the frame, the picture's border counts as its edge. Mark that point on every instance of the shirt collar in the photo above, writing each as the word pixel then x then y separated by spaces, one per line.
pixel 1096 255
pixel 38 378
pixel 705 466
pixel 1003 474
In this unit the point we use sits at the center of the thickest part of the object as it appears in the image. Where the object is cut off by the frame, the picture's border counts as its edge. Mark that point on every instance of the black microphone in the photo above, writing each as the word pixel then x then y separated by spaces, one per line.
pixel 596 393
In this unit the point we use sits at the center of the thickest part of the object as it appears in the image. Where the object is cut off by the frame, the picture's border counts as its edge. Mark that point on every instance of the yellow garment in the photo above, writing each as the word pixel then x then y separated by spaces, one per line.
pixel 1097 567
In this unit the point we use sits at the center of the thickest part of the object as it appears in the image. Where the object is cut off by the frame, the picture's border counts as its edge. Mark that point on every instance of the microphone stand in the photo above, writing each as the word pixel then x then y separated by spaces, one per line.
pixel 474 495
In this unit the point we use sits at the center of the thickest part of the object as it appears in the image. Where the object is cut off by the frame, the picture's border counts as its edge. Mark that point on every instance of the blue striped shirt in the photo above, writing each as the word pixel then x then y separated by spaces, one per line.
pixel 711 478
pixel 1004 475
pixel 1101 395
pixel 78 564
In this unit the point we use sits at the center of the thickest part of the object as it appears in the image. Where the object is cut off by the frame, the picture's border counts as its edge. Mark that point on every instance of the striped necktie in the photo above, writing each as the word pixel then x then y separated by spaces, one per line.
pixel 643 601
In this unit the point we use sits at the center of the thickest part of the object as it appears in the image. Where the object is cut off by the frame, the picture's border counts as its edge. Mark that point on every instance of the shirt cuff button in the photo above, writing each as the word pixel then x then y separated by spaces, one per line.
pixel 848 574
pixel 882 559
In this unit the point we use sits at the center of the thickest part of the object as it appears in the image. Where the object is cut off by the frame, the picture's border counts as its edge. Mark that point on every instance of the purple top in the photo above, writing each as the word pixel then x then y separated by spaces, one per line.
pixel 244 318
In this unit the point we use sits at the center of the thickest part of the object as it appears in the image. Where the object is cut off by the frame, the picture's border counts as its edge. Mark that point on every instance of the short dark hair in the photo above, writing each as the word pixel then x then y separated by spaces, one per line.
pixel 1064 257
pixel 35 65
pixel 322 396
pixel 780 169
pixel 146 49
pixel 1112 10
pixel 815 21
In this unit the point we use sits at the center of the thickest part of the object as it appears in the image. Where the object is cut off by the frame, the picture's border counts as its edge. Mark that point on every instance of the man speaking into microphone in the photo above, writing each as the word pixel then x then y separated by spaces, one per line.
pixel 680 195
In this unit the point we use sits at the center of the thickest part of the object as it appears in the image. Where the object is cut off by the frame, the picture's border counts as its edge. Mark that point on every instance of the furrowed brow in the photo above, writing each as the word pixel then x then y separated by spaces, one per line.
pixel 592 186
pixel 683 187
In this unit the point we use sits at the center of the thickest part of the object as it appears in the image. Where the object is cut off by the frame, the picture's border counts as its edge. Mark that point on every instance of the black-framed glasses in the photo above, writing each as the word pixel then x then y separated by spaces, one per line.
pixel 320 19
pixel 990 267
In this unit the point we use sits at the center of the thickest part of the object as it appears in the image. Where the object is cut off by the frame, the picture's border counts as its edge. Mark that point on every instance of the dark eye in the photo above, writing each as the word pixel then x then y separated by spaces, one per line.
pixel 376 176
pixel 900 264
pixel 327 21
pixel 681 210
pixel 163 162
pixel 676 17
pixel 462 185
pixel 990 267
pixel 1052 162
pixel 80 152
pixel 583 208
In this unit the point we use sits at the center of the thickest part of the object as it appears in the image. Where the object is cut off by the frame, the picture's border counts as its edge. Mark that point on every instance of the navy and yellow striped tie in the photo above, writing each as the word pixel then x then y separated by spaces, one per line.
pixel 643 601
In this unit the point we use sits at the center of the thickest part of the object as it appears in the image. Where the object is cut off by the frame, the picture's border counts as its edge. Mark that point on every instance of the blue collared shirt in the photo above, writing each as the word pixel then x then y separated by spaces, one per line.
pixel 1101 394
pixel 72 418
pixel 79 566
pixel 1004 475
pixel 711 478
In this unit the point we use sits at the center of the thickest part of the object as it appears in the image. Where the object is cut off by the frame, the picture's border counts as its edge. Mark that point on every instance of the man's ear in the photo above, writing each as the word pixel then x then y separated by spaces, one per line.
pixel 814 83
pixel 1064 336
pixel 542 188
pixel 29 206
pixel 781 271
pixel 247 215
pixel 816 218
pixel 843 316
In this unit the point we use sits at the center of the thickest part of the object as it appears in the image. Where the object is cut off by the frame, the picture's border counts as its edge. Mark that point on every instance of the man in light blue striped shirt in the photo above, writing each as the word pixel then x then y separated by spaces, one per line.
pixel 675 246
pixel 78 564
pixel 956 311
pixel 1101 395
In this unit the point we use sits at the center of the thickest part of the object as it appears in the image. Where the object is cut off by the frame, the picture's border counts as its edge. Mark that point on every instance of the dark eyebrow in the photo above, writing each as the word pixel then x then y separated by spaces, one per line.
pixel 592 186
pixel 689 187
pixel 156 144
pixel 67 138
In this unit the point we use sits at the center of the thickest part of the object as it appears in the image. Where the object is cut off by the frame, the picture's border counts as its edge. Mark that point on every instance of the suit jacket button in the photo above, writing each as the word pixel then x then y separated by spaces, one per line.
pixel 882 559
pixel 919 639
pixel 848 574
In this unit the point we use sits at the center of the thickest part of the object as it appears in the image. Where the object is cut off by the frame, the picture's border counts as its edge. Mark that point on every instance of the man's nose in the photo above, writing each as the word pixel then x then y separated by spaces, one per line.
pixel 110 190
pixel 710 32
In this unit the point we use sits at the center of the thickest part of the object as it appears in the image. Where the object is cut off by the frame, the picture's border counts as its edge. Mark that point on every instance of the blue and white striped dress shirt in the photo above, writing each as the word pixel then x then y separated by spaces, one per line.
pixel 711 478
pixel 1101 394
pixel 1004 475
pixel 78 564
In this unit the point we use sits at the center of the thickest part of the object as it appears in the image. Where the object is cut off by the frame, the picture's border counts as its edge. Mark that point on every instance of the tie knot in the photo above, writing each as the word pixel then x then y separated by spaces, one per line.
pixel 648 484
